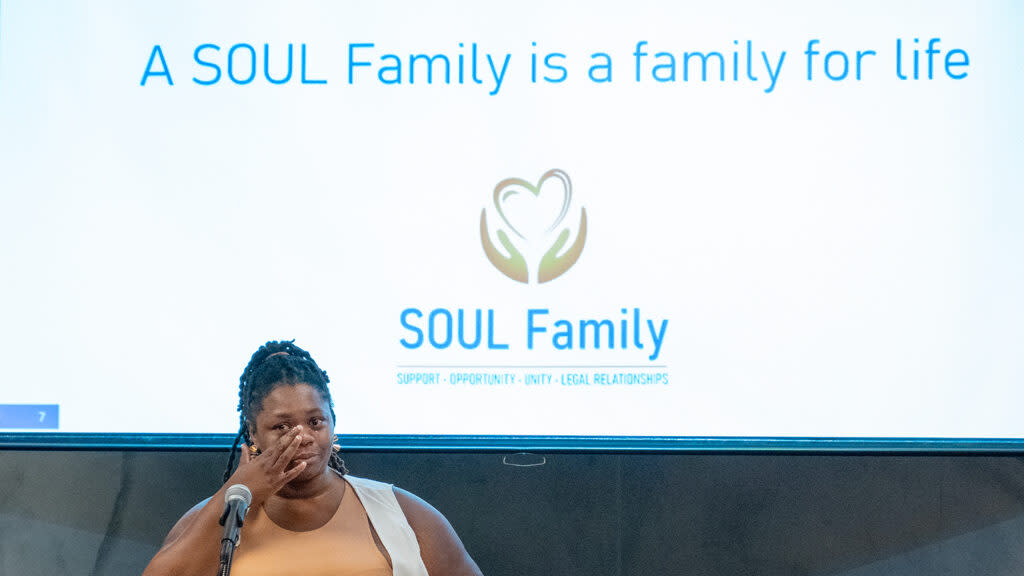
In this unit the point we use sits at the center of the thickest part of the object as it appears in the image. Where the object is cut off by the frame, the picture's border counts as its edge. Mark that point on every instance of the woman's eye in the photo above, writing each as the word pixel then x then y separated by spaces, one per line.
pixel 316 421
pixel 281 427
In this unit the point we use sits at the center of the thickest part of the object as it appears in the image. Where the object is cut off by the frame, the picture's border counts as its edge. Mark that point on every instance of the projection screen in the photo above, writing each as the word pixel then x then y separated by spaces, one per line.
pixel 795 221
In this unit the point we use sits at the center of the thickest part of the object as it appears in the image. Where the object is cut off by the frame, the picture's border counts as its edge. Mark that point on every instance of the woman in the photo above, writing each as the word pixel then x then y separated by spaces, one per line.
pixel 306 515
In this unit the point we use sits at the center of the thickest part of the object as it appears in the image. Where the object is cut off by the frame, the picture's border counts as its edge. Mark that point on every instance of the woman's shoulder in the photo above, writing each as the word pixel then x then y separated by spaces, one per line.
pixel 416 509
pixel 185 520
pixel 440 547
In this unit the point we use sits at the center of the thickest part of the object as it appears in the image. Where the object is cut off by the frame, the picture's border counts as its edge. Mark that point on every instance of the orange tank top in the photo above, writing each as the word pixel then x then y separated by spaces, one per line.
pixel 342 547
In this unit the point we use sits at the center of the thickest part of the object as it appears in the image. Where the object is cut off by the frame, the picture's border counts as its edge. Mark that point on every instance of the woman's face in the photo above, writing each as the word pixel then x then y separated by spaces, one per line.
pixel 288 406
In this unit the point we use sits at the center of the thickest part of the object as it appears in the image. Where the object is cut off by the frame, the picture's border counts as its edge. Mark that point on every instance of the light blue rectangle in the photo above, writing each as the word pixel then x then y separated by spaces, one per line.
pixel 31 416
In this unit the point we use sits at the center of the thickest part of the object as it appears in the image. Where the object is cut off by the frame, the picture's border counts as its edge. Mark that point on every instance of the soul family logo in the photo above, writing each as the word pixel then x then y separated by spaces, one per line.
pixel 532 228
pixel 542 236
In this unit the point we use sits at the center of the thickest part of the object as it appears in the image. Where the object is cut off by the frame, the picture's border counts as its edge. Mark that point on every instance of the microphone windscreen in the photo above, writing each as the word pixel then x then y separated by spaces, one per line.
pixel 238 492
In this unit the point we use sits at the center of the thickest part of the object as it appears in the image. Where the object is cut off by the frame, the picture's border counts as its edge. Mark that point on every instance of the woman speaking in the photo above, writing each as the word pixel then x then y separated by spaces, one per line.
pixel 307 516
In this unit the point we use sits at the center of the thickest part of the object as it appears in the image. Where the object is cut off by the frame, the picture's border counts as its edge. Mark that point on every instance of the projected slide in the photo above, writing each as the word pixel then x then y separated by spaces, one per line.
pixel 711 219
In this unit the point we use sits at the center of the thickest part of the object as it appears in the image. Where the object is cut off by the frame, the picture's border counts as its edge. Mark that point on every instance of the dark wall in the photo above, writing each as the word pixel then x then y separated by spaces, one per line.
pixel 105 513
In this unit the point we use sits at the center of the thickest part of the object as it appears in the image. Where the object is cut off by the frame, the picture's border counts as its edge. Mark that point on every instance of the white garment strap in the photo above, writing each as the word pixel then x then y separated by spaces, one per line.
pixel 389 521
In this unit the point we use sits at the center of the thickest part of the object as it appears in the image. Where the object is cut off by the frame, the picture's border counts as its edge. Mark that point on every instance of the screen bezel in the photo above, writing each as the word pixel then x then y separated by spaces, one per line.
pixel 466 443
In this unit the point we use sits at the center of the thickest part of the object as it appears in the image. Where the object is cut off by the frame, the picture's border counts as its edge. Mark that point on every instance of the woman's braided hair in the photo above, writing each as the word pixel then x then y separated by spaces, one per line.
pixel 277 364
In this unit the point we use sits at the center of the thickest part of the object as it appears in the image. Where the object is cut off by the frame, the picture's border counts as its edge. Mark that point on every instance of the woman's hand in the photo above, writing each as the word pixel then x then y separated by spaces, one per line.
pixel 268 472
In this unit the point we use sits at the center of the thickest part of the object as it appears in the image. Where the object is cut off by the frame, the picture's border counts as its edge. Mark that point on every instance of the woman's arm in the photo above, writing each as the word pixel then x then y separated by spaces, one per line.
pixel 442 552
pixel 193 545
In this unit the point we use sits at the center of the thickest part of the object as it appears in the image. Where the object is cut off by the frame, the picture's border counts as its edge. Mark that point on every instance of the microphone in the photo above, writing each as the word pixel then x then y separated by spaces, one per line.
pixel 236 503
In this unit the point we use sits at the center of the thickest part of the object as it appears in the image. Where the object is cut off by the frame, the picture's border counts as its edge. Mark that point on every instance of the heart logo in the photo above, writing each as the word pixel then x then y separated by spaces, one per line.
pixel 533 214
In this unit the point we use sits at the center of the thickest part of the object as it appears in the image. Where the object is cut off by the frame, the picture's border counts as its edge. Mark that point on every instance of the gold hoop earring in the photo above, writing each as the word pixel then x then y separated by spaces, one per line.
pixel 254 450
pixel 335 447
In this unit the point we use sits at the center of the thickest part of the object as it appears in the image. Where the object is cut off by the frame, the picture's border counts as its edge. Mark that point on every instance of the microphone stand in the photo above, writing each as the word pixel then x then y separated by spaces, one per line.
pixel 227 553
pixel 231 520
